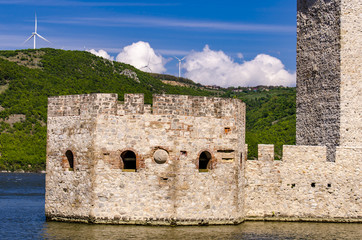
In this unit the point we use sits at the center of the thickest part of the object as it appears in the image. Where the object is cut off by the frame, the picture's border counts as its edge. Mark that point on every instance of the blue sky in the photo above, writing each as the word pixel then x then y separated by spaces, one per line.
pixel 230 39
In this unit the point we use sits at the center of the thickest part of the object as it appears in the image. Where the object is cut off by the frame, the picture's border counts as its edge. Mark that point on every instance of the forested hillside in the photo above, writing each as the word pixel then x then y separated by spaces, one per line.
pixel 29 77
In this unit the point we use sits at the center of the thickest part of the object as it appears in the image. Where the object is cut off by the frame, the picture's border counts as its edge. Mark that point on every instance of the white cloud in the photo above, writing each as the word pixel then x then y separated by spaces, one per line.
pixel 143 57
pixel 101 53
pixel 216 68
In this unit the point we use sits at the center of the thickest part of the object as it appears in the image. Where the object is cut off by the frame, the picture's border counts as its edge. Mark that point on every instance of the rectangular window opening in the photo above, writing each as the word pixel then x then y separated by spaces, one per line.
pixel 226 151
pixel 227 130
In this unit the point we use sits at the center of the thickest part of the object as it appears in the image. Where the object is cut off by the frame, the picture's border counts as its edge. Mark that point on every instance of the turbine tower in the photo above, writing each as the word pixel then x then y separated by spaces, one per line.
pixel 35 34
pixel 147 66
pixel 179 65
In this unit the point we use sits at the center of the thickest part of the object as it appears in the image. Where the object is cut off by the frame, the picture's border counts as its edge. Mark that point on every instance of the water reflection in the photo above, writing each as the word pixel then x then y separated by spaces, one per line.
pixel 248 230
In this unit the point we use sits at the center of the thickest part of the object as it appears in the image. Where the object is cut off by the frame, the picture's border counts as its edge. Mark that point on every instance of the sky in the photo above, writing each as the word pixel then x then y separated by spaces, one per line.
pixel 225 43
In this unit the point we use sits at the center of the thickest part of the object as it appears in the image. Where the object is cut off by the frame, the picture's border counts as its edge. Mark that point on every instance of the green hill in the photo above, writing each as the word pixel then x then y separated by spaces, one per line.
pixel 29 77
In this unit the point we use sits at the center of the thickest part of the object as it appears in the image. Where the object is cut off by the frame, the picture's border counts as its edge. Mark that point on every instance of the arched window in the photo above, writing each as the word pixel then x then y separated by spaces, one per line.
pixel 129 160
pixel 204 160
pixel 70 158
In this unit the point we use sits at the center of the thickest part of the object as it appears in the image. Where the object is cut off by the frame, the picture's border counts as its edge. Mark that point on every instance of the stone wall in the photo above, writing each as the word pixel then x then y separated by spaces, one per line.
pixel 329 89
pixel 71 125
pixel 318 73
pixel 166 187
pixel 303 185
pixel 174 192
pixel 85 105
pixel 351 72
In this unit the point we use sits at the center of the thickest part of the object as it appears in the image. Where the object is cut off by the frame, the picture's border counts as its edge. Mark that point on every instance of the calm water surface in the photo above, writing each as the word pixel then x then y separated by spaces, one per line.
pixel 22 217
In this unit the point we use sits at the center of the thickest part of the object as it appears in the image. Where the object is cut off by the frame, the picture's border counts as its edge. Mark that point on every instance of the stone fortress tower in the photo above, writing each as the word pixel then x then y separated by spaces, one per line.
pixel 183 161
pixel 329 63
pixel 120 163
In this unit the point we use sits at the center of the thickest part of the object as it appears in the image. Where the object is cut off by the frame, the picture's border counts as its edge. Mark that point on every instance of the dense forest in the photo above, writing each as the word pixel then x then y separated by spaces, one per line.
pixel 29 77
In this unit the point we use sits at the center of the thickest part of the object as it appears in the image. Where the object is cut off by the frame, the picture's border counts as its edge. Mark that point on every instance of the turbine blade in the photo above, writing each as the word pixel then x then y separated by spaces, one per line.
pixel 28 38
pixel 36 23
pixel 183 58
pixel 177 58
pixel 42 37
pixel 146 67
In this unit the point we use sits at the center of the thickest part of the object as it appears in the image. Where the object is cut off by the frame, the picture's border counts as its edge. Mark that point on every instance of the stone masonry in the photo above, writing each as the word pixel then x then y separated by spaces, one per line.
pixel 166 186
pixel 304 186
pixel 329 56
pixel 182 161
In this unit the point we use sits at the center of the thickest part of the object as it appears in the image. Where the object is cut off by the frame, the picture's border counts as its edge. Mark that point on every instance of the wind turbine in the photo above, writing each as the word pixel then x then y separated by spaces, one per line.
pixel 147 66
pixel 35 34
pixel 179 65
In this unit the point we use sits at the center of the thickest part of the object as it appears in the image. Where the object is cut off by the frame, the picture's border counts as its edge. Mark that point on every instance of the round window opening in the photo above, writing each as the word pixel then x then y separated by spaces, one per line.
pixel 160 156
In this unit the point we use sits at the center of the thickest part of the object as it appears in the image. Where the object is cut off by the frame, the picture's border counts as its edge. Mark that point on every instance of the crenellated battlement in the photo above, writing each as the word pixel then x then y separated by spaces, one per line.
pixel 196 106
pixel 183 105
pixel 304 184
pixel 289 153
pixel 86 105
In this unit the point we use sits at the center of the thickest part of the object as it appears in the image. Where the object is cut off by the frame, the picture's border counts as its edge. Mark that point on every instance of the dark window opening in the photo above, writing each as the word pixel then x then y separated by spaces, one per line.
pixel 293 185
pixel 312 185
pixel 70 157
pixel 204 160
pixel 329 185
pixel 225 150
pixel 129 160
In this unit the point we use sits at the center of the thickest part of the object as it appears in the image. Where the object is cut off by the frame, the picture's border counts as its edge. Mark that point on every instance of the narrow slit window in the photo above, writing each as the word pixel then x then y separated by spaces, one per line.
pixel 129 160
pixel 204 160
pixel 70 158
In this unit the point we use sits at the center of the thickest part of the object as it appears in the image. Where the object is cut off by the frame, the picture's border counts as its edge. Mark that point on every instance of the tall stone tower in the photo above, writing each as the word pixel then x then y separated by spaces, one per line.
pixel 329 84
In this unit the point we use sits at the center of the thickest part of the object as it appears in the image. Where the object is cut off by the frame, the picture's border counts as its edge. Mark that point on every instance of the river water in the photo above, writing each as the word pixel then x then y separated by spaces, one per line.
pixel 22 217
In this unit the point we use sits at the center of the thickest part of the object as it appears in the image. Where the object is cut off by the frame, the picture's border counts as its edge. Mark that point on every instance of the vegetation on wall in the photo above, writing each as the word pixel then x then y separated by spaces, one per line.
pixel 29 77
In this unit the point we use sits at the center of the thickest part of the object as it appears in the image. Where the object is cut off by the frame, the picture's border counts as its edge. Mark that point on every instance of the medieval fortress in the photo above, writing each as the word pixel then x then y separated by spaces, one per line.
pixel 183 160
